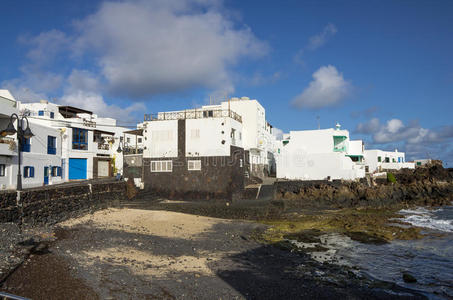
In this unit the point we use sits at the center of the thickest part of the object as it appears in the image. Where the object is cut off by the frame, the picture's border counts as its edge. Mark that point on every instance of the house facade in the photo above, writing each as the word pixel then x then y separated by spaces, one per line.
pixel 257 137
pixel 88 142
pixel 194 153
pixel 319 155
pixel 379 160
pixel 41 155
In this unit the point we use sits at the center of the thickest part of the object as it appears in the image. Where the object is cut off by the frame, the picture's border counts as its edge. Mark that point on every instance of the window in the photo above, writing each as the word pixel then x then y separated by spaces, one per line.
pixel 139 140
pixel 208 114
pixel 55 171
pixel 339 144
pixel 387 159
pixel 379 159
pixel 25 145
pixel 51 145
pixel 41 113
pixel 194 165
pixel 79 139
pixel 128 139
pixel 29 172
pixel 52 115
pixel 162 166
pixel 2 170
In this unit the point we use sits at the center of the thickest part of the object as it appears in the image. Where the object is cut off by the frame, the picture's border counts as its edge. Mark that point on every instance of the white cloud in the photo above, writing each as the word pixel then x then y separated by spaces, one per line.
pixel 395 131
pixel 372 126
pixel 45 46
pixel 164 46
pixel 34 84
pixel 316 41
pixel 416 141
pixel 82 90
pixel 327 88
pixel 96 103
pixel 321 38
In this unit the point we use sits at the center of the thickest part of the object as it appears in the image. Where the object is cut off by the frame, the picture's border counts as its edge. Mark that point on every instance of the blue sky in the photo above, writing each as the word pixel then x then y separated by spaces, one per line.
pixel 383 69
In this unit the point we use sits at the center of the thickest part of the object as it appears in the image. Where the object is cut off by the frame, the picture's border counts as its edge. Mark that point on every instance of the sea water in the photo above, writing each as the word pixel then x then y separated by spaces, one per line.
pixel 429 260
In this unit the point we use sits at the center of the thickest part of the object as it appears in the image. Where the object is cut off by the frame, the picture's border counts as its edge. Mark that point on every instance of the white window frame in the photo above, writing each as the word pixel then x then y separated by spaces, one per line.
pixel 161 166
pixel 194 165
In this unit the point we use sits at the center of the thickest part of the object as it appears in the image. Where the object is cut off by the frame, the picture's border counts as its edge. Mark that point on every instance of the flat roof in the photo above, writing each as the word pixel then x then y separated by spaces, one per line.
pixel 103 131
pixel 70 111
pixel 135 131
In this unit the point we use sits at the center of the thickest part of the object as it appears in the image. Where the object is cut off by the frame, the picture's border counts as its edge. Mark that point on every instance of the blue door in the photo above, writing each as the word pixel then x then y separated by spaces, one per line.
pixel 77 168
pixel 46 175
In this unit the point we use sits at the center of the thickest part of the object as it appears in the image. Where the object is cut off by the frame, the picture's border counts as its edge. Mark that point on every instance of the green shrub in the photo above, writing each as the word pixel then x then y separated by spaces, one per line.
pixel 391 178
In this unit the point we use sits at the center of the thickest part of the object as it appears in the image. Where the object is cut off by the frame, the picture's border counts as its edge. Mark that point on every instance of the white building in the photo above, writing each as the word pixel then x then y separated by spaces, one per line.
pixel 194 152
pixel 320 154
pixel 8 144
pixel 40 155
pixel 258 139
pixel 88 142
pixel 254 136
pixel 378 160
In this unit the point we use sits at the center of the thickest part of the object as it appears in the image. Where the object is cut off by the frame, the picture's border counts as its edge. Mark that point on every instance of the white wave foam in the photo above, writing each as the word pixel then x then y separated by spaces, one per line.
pixel 422 217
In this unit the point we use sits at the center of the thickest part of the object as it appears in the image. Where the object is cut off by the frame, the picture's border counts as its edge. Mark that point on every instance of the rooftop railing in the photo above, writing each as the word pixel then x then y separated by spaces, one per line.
pixel 194 114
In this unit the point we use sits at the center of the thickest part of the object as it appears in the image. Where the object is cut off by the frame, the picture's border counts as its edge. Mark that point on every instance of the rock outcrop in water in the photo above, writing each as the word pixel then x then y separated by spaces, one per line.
pixel 429 186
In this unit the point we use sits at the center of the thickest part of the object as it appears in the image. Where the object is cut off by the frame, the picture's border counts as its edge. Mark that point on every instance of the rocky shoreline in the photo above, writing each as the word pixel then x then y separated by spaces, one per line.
pixel 432 186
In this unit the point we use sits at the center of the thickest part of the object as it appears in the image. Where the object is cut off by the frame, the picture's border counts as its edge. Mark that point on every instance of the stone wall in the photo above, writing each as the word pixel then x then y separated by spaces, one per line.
pixel 57 203
pixel 9 211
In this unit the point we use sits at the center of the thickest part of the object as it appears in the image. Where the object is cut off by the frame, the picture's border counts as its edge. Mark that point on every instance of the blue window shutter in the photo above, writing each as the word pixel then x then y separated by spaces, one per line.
pixel 52 115
pixel 32 171
pixel 25 172
pixel 41 113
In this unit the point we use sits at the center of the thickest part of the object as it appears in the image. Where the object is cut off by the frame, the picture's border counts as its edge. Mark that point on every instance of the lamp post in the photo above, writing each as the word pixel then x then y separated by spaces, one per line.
pixel 20 134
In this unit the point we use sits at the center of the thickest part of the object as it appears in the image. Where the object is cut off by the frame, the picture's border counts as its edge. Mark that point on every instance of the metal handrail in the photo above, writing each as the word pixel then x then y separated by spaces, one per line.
pixel 194 114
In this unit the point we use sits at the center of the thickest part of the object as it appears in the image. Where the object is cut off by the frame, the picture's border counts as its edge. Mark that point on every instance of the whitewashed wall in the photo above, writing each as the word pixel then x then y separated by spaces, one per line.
pixel 204 136
pixel 317 166
pixel 371 160
pixel 161 139
pixel 355 147
pixel 38 157
pixel 316 141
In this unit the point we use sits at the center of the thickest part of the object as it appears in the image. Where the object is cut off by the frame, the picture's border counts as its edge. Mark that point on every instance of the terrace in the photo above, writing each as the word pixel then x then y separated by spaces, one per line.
pixel 194 114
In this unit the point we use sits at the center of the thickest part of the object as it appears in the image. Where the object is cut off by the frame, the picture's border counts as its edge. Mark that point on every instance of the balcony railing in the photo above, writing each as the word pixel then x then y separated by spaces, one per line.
pixel 129 150
pixel 103 146
pixel 88 123
pixel 194 114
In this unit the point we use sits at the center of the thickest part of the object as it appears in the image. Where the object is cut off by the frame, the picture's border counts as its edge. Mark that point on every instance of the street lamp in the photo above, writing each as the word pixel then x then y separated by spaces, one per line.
pixel 20 134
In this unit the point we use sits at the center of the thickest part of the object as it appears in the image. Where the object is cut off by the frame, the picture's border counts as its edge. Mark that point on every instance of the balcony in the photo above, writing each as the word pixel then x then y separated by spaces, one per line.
pixel 103 147
pixel 8 146
pixel 194 114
